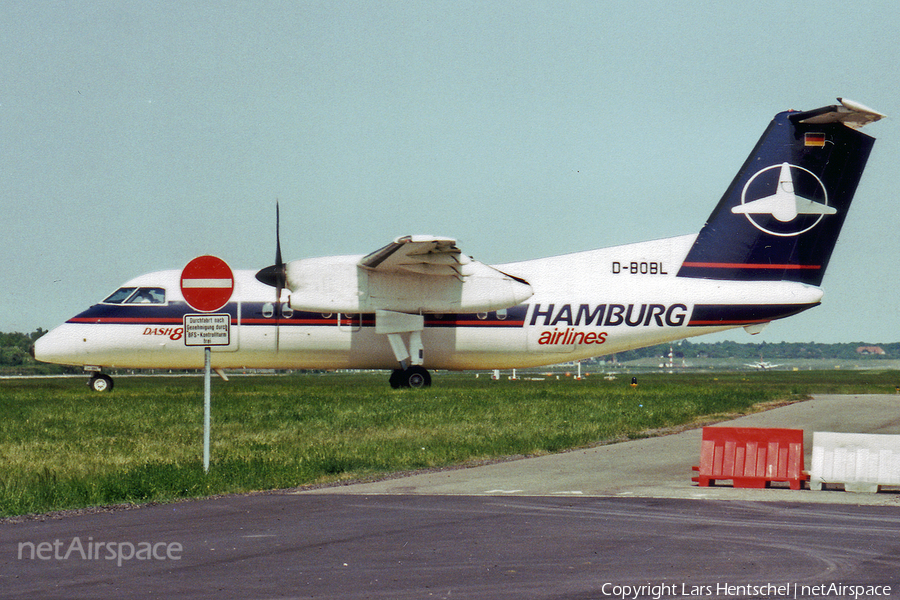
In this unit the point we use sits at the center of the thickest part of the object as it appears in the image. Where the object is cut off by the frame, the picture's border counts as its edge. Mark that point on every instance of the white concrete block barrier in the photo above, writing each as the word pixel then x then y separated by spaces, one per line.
pixel 860 461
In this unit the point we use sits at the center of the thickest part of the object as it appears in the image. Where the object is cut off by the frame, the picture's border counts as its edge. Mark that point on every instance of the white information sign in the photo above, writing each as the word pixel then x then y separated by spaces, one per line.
pixel 207 330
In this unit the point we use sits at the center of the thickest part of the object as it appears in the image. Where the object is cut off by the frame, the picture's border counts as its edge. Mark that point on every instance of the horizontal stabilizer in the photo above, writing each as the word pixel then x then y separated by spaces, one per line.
pixel 850 113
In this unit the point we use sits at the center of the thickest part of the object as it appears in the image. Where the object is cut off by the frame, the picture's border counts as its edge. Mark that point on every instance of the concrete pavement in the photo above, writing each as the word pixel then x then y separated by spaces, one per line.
pixel 657 467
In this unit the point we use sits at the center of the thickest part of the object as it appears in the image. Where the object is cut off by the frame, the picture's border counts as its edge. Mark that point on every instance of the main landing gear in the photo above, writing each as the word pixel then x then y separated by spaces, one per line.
pixel 100 382
pixel 395 325
pixel 412 377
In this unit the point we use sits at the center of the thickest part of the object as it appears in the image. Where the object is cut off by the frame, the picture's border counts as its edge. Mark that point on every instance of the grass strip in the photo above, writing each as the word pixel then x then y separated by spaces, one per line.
pixel 63 446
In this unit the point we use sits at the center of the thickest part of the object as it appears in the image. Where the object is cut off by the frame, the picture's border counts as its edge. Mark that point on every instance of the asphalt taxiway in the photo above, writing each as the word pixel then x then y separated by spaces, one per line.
pixel 589 524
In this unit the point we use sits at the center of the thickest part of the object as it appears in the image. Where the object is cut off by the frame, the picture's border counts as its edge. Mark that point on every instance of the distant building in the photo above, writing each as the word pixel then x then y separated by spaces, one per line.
pixel 867 350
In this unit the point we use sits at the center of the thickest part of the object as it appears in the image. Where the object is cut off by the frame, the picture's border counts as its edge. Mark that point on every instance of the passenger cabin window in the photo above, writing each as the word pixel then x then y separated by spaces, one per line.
pixel 144 295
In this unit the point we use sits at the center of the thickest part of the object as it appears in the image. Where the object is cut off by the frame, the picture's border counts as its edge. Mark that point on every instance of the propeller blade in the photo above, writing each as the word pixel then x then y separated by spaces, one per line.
pixel 275 275
pixel 281 275
pixel 278 261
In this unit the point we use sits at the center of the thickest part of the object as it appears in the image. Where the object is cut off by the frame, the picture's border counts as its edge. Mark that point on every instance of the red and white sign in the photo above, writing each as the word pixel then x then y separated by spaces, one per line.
pixel 207 283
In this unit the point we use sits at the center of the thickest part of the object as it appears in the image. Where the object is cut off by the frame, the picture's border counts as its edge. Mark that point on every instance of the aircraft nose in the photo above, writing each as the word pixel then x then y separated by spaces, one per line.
pixel 38 349
pixel 53 347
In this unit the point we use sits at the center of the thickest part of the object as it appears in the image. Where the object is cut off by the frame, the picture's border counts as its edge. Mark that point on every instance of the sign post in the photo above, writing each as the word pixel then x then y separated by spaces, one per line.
pixel 207 284
pixel 206 407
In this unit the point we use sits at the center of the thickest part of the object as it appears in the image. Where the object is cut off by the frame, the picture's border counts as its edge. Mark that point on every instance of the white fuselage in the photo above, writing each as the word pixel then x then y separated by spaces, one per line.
pixel 584 304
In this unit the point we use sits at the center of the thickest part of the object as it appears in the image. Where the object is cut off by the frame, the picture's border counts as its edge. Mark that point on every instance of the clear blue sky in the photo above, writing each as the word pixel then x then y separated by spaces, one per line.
pixel 137 135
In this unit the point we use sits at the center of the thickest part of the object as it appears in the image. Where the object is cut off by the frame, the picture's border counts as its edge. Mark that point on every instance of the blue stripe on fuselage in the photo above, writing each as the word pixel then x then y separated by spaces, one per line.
pixel 253 314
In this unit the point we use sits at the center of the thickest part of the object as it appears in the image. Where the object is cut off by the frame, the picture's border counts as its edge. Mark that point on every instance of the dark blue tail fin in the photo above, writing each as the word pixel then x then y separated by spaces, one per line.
pixel 781 216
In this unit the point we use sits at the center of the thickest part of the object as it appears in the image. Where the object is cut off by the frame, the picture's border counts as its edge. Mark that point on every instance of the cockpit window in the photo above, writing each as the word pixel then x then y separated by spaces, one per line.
pixel 144 295
pixel 119 296
pixel 148 296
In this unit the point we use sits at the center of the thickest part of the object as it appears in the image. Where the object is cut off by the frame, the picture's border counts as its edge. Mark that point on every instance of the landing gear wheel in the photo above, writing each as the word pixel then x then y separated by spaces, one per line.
pixel 413 377
pixel 101 382
pixel 396 379
pixel 417 377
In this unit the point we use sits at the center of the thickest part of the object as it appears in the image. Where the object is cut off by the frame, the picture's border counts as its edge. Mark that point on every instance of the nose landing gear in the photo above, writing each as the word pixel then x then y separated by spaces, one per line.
pixel 100 382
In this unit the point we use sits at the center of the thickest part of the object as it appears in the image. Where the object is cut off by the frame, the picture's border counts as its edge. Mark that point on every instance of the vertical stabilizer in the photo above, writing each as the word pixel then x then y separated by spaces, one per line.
pixel 781 216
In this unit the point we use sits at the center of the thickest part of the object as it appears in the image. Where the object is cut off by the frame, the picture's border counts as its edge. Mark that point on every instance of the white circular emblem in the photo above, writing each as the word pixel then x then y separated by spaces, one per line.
pixel 797 204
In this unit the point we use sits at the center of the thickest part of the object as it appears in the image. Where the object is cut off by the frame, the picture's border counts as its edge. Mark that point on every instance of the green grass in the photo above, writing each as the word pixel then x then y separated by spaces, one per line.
pixel 63 446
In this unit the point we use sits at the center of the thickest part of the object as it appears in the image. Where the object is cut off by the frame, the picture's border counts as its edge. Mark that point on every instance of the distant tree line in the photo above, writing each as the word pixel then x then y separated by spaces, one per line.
pixel 764 350
pixel 14 347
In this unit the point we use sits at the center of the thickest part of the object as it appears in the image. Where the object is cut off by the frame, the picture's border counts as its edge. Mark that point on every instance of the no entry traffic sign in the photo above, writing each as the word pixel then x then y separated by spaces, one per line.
pixel 207 283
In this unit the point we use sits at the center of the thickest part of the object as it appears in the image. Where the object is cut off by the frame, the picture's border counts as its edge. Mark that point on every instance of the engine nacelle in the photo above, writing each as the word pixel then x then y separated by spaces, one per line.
pixel 340 284
pixel 329 284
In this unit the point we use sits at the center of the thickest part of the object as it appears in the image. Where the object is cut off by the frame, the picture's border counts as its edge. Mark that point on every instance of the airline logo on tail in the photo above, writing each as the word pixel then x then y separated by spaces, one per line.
pixel 786 205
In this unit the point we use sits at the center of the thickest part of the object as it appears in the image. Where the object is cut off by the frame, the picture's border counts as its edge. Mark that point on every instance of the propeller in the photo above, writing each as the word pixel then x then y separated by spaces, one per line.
pixel 275 275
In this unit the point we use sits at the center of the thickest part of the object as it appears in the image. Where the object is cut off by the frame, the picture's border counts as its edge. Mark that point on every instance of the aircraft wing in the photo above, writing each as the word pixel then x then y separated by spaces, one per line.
pixel 412 274
pixel 426 255
pixel 430 274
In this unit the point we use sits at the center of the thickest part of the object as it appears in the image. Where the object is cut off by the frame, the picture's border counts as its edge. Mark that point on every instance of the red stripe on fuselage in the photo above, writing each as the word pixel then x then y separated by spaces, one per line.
pixel 125 320
pixel 706 265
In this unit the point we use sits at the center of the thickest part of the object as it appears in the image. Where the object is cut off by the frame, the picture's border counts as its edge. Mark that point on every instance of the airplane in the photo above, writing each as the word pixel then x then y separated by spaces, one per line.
pixel 761 365
pixel 420 303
